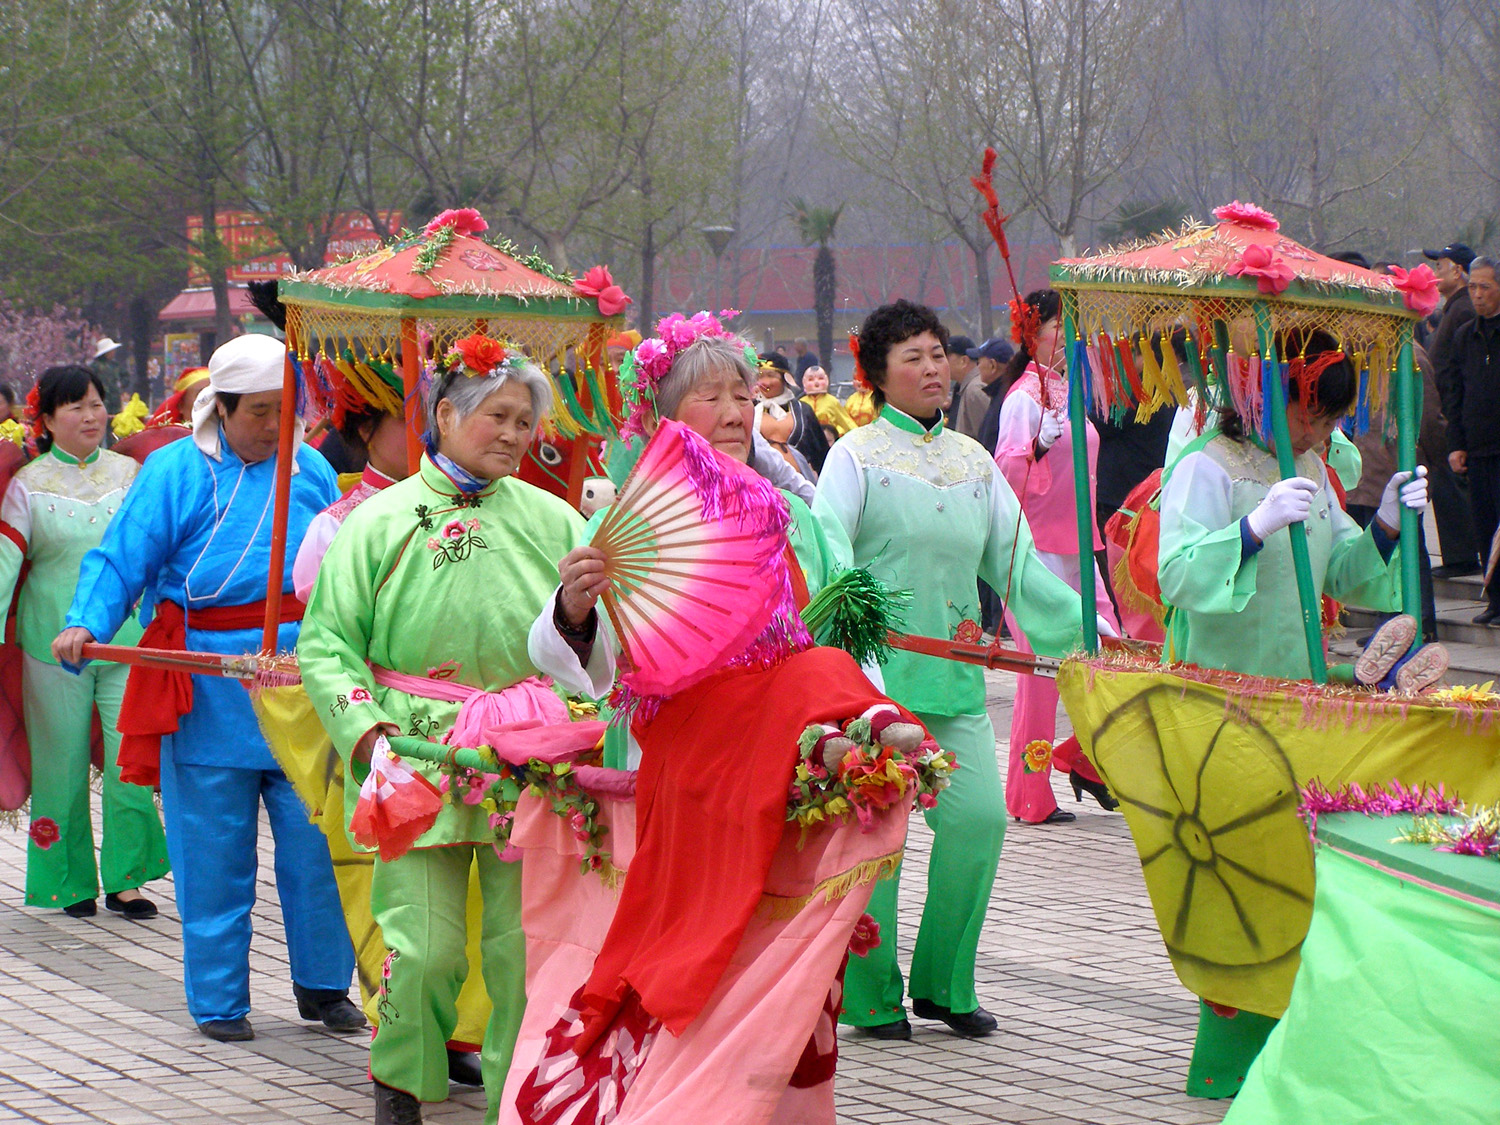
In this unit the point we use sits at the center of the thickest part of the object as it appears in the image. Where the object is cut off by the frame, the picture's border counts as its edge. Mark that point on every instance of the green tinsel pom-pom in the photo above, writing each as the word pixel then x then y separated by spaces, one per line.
pixel 854 612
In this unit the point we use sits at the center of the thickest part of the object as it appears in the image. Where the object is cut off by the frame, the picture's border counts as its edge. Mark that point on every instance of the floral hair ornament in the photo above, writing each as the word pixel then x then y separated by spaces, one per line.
pixel 861 380
pixel 1025 323
pixel 34 411
pixel 478 356
pixel 642 370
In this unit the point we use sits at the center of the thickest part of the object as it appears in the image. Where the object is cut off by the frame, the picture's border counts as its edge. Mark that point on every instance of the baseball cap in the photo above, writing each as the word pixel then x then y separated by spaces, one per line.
pixel 959 345
pixel 1454 251
pixel 994 348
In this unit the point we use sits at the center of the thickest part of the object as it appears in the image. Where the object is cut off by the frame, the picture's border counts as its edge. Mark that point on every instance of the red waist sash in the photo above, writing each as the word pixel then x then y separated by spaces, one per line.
pixel 156 698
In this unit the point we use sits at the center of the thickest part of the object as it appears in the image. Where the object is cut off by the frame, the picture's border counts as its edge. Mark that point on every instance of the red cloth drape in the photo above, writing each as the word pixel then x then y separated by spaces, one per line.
pixel 711 796
pixel 156 698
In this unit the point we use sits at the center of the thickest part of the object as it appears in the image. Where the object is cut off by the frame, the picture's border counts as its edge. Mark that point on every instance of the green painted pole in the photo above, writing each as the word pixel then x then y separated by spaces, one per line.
pixel 423 751
pixel 1312 617
pixel 1081 491
pixel 1408 419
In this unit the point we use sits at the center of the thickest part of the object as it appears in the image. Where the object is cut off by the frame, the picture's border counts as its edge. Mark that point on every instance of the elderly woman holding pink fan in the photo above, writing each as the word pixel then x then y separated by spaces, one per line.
pixel 690 970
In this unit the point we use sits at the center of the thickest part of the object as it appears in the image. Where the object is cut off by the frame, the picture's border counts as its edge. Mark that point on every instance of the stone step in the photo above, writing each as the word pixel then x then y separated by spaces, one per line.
pixel 1468 588
pixel 1455 623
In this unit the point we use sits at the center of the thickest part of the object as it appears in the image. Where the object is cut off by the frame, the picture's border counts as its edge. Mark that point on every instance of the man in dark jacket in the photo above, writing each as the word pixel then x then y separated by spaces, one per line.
pixel 1470 384
pixel 1450 492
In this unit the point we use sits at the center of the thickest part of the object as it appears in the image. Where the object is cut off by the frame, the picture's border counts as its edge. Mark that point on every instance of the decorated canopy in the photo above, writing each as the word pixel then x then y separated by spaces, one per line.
pixel 450 282
pixel 1212 280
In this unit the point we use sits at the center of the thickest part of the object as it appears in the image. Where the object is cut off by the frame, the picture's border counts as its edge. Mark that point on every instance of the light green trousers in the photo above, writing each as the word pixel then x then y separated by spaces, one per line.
pixel 420 902
pixel 968 827
pixel 60 864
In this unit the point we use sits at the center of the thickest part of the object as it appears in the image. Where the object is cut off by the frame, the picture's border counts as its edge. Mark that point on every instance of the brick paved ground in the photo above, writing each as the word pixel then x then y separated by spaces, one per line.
pixel 1094 1026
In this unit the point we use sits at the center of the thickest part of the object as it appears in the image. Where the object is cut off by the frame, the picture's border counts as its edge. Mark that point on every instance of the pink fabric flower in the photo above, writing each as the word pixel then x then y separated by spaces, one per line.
pixel 927 800
pixel 598 284
pixel 454 529
pixel 360 695
pixel 1418 288
pixel 463 220
pixel 432 543
pixel 1247 215
pixel 472 523
pixel 1272 275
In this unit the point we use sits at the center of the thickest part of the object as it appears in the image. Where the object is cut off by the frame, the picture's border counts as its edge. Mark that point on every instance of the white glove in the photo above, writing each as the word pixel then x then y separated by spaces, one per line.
pixel 1052 428
pixel 1288 502
pixel 1403 488
pixel 1105 628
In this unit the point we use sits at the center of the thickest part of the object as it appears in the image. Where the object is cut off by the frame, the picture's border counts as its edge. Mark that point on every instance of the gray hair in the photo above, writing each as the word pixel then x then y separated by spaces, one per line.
pixel 705 356
pixel 1484 263
pixel 467 393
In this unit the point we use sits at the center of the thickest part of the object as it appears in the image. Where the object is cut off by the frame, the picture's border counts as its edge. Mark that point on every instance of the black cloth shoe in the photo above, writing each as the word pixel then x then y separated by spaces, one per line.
pixel 896 1029
pixel 396 1107
pixel 1456 570
pixel 83 908
pixel 463 1068
pixel 136 909
pixel 1488 617
pixel 970 1024
pixel 227 1031
pixel 329 1005
pixel 1056 816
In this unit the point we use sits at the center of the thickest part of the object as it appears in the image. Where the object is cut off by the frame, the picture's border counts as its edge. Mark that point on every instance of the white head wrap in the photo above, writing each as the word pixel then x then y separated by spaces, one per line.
pixel 246 365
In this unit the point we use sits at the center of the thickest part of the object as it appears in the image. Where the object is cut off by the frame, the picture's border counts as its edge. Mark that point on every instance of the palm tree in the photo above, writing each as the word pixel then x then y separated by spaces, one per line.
pixel 816 225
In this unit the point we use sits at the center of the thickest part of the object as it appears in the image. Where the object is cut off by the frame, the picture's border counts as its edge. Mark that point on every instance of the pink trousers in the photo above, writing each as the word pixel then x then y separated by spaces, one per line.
pixel 1028 780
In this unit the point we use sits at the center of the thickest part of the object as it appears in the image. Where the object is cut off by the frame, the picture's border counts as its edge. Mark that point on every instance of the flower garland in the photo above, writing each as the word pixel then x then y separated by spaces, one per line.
pixel 1375 800
pixel 868 765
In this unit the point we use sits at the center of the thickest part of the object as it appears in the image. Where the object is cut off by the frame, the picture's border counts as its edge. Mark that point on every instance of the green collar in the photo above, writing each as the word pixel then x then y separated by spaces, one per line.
pixel 69 459
pixel 903 421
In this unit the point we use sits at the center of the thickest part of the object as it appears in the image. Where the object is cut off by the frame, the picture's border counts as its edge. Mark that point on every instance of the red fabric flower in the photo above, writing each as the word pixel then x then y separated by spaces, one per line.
pixel 1418 288
pixel 44 832
pixel 866 936
pixel 360 695
pixel 463 220
pixel 968 632
pixel 1272 275
pixel 454 529
pixel 598 284
pixel 1247 215
pixel 34 410
pixel 480 353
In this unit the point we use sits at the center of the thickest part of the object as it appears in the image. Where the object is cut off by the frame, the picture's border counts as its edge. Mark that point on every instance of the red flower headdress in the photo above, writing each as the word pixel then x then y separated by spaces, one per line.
pixel 860 379
pixel 34 411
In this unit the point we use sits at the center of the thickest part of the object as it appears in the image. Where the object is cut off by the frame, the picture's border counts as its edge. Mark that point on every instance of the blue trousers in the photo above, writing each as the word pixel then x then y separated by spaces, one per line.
pixel 212 815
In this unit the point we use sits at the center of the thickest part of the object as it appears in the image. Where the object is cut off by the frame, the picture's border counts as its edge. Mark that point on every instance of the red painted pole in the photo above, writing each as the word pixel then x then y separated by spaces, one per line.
pixel 410 366
pixel 276 572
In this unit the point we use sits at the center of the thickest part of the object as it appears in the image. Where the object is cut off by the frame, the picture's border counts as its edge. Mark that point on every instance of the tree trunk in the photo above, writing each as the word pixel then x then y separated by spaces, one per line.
pixel 139 319
pixel 982 295
pixel 643 300
pixel 825 292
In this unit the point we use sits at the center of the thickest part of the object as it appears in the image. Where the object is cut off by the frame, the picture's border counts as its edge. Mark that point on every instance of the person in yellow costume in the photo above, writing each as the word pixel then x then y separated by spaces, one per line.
pixel 830 411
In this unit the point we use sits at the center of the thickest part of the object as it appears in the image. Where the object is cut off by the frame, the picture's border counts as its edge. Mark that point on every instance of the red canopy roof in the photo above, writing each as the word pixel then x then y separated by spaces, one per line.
pixel 198 304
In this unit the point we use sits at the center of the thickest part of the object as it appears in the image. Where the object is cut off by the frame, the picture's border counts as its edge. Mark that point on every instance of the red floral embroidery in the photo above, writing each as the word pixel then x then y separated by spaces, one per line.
pixel 360 695
pixel 44 832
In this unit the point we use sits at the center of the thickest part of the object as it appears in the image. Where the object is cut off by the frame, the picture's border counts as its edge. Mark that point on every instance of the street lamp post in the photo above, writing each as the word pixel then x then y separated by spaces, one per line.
pixel 718 241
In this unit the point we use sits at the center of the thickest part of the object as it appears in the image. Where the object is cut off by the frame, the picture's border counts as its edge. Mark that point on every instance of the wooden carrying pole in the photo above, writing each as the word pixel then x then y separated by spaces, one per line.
pixel 1286 462
pixel 285 451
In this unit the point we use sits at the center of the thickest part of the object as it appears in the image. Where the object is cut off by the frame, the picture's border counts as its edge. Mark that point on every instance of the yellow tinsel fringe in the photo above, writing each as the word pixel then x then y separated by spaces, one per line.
pixel 780 908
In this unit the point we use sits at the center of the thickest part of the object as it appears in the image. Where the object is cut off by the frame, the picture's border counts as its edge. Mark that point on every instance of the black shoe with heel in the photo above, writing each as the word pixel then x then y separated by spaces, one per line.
pixel 1096 789
pixel 330 1006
